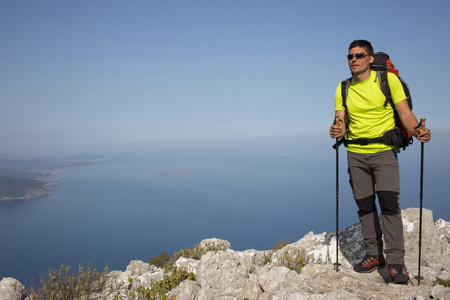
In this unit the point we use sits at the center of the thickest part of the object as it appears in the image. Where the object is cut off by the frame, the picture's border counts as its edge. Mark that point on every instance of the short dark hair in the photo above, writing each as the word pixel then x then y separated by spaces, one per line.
pixel 363 44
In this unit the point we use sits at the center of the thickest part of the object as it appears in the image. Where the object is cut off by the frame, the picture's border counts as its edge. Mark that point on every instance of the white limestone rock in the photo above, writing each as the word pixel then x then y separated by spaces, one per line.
pixel 215 244
pixel 11 289
pixel 187 264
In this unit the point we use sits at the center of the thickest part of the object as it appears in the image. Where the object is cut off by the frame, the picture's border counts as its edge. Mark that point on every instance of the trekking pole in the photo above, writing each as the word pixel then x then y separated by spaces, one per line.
pixel 337 264
pixel 422 126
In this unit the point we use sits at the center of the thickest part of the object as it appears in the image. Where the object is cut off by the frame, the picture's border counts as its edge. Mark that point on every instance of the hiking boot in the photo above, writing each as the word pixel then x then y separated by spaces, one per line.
pixel 369 263
pixel 399 274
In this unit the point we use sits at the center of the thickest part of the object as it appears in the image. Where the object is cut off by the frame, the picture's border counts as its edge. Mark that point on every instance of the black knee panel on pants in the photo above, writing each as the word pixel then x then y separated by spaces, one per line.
pixel 389 203
pixel 366 205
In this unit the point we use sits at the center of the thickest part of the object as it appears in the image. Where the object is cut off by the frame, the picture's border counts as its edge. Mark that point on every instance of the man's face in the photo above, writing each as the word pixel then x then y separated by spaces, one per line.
pixel 359 65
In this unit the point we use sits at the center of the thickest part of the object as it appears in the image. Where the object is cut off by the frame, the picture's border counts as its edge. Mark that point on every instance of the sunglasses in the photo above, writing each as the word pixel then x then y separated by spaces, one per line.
pixel 357 55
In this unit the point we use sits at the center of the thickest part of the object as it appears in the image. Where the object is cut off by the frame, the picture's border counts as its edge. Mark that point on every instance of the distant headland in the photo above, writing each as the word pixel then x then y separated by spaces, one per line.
pixel 24 178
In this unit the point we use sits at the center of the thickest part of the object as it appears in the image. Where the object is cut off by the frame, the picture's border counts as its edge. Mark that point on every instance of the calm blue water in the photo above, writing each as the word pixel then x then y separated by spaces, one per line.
pixel 135 205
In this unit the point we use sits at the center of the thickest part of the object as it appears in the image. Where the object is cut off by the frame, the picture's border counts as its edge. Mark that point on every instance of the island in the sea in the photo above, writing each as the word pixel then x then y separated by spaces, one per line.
pixel 188 173
pixel 26 178
pixel 183 173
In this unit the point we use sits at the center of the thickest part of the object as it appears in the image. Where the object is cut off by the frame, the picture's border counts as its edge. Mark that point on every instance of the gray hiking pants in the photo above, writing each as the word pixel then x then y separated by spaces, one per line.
pixel 371 174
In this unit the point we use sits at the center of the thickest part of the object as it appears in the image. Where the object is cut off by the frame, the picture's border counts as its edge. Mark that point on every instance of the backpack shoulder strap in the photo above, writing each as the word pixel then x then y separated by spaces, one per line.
pixel 344 91
pixel 382 76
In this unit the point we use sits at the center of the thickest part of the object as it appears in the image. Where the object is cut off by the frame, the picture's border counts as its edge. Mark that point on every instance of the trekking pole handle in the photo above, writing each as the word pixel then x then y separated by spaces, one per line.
pixel 336 119
pixel 422 123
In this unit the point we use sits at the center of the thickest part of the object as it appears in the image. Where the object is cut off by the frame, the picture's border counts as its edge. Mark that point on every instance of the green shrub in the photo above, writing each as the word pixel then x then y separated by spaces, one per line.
pixel 281 245
pixel 195 252
pixel 278 246
pixel 292 261
pixel 160 261
pixel 443 282
pixel 172 278
pixel 63 284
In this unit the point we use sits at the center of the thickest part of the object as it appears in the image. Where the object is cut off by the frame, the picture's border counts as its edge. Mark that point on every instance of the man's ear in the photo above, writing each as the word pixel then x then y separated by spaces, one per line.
pixel 372 58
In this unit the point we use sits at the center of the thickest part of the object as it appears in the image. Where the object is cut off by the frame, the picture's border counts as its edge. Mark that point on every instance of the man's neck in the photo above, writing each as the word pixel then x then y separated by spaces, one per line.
pixel 362 76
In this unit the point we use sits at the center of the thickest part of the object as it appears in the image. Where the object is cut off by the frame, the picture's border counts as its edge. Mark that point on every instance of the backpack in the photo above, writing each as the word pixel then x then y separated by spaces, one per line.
pixel 399 136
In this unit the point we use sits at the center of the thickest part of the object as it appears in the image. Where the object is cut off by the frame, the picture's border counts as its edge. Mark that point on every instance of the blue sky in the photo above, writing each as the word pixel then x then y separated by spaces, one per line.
pixel 91 76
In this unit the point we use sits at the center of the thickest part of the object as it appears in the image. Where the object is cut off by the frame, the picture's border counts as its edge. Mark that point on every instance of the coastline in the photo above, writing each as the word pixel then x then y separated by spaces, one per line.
pixel 24 179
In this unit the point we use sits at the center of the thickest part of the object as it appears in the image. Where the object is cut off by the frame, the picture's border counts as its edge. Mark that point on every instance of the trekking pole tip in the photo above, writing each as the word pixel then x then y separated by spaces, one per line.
pixel 336 266
pixel 422 123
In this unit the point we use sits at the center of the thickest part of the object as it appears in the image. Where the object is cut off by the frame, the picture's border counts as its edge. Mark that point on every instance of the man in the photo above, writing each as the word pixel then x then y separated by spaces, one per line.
pixel 373 168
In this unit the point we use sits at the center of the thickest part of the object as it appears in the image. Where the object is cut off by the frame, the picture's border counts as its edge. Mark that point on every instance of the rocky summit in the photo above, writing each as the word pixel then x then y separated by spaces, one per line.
pixel 262 275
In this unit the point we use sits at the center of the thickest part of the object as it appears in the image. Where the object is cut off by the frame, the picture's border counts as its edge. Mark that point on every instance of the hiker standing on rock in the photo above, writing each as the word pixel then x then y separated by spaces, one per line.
pixel 373 166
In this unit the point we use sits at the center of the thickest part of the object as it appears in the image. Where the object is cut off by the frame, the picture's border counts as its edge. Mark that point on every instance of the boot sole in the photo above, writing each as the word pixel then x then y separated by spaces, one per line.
pixel 404 280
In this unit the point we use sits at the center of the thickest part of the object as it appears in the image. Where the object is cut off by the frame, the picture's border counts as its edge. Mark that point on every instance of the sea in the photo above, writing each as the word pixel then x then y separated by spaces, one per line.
pixel 134 205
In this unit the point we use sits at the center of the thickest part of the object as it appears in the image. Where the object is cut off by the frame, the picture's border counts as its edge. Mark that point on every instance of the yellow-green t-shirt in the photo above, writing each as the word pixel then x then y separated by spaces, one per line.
pixel 369 117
